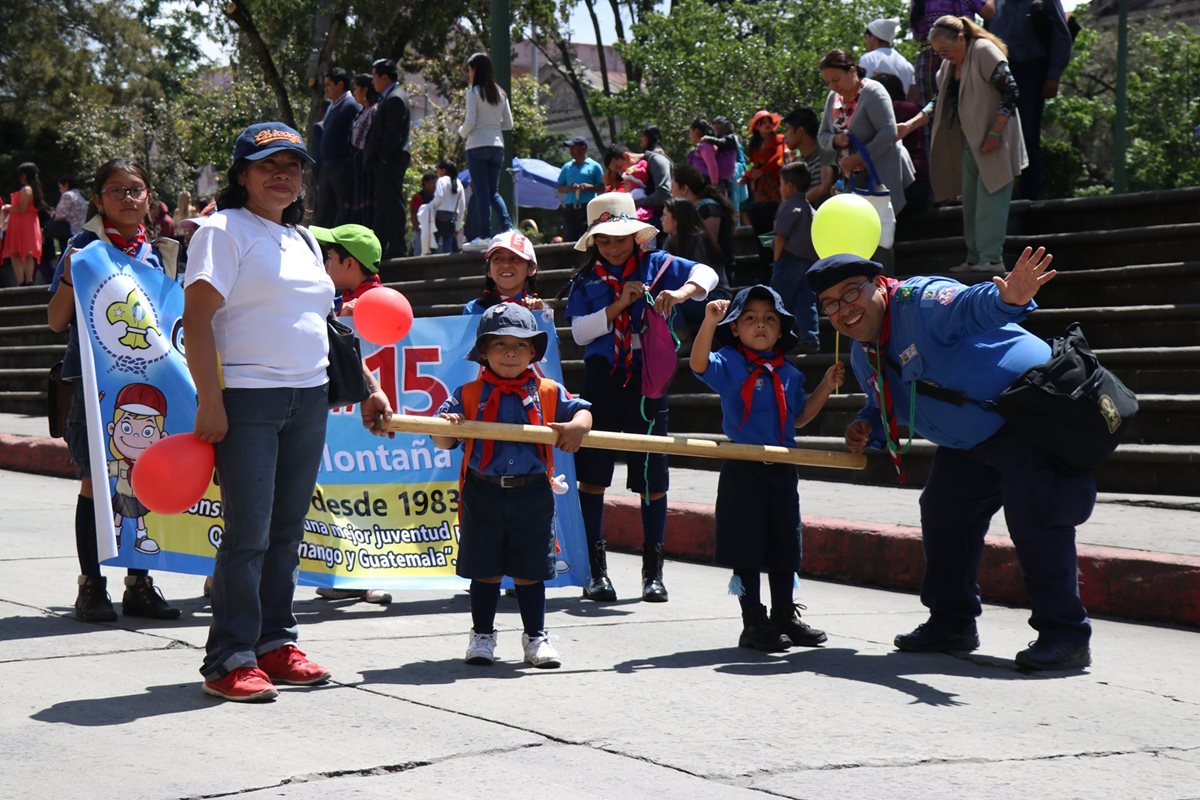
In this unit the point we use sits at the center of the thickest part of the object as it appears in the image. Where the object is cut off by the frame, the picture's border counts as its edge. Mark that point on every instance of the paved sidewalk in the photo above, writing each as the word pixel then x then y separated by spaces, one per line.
pixel 1139 554
pixel 653 700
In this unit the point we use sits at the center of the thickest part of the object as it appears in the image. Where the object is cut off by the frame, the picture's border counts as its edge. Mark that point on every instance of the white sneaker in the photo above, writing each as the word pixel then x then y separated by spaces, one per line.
pixel 481 651
pixel 539 652
pixel 963 267
pixel 992 267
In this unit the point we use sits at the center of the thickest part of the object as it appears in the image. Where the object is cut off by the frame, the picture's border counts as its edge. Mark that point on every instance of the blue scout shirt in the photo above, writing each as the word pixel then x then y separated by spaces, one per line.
pixel 513 458
pixel 957 337
pixel 588 172
pixel 727 371
pixel 590 294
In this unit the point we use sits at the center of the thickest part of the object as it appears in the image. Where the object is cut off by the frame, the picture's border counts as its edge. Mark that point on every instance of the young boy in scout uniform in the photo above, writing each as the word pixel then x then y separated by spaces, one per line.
pixel 758 506
pixel 506 503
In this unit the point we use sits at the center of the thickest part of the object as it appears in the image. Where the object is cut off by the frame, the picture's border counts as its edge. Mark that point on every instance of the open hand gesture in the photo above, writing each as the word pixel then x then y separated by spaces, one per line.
pixel 1031 272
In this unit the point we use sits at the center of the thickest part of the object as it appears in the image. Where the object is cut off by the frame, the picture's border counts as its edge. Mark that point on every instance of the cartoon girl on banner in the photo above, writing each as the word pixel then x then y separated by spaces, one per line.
pixel 138 418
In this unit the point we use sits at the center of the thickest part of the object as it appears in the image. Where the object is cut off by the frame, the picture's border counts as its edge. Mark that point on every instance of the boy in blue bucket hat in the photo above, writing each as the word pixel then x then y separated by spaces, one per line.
pixel 758 505
pixel 506 511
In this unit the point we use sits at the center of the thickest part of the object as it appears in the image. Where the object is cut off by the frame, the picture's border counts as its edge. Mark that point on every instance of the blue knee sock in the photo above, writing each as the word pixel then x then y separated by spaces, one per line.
pixel 781 590
pixel 484 599
pixel 592 508
pixel 531 600
pixel 654 521
pixel 751 596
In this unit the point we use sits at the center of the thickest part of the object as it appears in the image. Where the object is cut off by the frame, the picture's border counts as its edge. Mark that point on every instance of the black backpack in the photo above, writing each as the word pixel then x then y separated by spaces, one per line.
pixel 1070 408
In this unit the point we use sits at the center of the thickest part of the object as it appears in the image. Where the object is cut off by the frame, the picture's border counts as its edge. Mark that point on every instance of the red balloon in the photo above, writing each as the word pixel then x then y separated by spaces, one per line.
pixel 383 316
pixel 173 473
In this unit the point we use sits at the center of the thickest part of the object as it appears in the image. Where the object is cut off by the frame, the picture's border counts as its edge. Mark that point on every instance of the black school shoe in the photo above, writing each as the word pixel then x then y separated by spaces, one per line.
pixel 926 638
pixel 143 599
pixel 92 603
pixel 787 621
pixel 759 633
pixel 1045 654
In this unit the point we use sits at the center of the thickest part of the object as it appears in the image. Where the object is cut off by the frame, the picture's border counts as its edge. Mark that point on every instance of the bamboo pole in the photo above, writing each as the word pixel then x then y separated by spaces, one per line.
pixel 607 440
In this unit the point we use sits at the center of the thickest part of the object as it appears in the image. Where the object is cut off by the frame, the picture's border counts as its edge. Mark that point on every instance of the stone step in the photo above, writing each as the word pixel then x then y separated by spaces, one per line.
pixel 24 379
pixel 1077 250
pixel 32 314
pixel 31 403
pixel 1027 218
pixel 32 334
pixel 41 356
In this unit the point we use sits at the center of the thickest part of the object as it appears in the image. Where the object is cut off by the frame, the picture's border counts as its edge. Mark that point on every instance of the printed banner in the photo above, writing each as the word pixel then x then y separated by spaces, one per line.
pixel 384 513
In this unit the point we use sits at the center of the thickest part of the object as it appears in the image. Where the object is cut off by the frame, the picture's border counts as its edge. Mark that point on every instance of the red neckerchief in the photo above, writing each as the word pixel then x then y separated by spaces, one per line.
pixel 525 387
pixel 889 286
pixel 367 285
pixel 622 323
pixel 760 364
pixel 131 247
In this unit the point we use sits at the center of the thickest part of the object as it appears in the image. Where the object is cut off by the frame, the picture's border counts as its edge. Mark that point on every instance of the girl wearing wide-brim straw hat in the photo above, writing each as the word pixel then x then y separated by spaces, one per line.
pixel 606 305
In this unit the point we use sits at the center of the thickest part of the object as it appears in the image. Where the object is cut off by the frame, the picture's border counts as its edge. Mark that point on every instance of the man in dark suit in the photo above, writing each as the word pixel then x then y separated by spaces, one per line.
pixel 333 187
pixel 386 157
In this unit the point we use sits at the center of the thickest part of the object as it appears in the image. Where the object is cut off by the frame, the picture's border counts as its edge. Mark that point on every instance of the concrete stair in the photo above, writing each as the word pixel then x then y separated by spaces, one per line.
pixel 1127 272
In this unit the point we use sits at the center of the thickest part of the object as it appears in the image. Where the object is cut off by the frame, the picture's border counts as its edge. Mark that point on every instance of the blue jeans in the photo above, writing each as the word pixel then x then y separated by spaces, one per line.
pixel 787 278
pixel 484 163
pixel 267 464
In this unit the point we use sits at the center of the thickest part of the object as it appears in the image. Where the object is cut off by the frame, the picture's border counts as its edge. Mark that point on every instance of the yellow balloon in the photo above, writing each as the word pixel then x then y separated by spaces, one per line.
pixel 846 223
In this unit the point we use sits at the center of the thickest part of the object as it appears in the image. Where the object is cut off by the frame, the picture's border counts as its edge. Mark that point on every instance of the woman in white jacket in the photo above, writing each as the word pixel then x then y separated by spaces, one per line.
pixel 488 115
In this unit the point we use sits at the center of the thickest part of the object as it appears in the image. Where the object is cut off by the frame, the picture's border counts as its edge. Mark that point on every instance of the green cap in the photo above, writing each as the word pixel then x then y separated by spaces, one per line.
pixel 359 240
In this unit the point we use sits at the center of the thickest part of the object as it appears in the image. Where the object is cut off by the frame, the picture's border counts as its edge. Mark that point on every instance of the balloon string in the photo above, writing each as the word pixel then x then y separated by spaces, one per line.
pixel 837 349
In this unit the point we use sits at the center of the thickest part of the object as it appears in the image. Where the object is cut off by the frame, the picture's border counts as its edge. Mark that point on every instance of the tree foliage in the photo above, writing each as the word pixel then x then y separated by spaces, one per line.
pixel 1163 111
pixel 731 58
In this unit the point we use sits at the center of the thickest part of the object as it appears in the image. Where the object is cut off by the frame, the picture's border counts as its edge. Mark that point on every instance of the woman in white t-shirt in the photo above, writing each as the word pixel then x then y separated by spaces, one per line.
pixel 256 297
pixel 488 116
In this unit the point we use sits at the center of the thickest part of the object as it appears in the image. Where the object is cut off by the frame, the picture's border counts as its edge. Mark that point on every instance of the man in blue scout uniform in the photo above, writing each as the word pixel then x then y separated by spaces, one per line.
pixel 935 337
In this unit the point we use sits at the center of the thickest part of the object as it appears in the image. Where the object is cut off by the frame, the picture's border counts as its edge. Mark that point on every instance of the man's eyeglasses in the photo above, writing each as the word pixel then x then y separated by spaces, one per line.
pixel 850 295
pixel 121 192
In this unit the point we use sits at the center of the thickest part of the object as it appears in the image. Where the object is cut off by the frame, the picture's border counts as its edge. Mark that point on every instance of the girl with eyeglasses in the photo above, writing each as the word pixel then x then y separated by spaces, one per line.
pixel 117 215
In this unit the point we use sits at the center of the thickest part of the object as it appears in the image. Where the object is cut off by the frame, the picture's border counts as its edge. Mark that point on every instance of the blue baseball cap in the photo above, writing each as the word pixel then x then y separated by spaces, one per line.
pixel 832 270
pixel 788 337
pixel 508 319
pixel 264 138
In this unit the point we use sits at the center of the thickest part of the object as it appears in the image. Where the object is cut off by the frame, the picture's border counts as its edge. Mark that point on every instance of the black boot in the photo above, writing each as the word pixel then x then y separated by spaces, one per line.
pixel 143 599
pixel 93 603
pixel 599 587
pixel 759 633
pixel 787 621
pixel 653 590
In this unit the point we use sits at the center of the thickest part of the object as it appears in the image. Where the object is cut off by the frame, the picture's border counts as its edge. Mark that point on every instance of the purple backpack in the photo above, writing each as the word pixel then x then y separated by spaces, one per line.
pixel 659 359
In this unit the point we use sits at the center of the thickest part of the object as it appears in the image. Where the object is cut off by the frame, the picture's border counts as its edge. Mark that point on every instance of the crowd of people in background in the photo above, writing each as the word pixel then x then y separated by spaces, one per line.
pixel 362 148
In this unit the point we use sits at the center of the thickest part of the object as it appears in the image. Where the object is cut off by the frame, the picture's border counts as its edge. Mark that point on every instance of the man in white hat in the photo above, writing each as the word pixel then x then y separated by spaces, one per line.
pixel 881 58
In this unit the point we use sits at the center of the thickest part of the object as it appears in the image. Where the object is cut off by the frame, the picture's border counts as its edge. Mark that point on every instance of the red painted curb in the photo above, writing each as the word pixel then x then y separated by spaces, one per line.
pixel 1112 582
pixel 39 454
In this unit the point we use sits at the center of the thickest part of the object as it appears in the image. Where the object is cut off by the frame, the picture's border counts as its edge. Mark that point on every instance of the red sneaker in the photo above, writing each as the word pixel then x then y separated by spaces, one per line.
pixel 288 664
pixel 243 685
